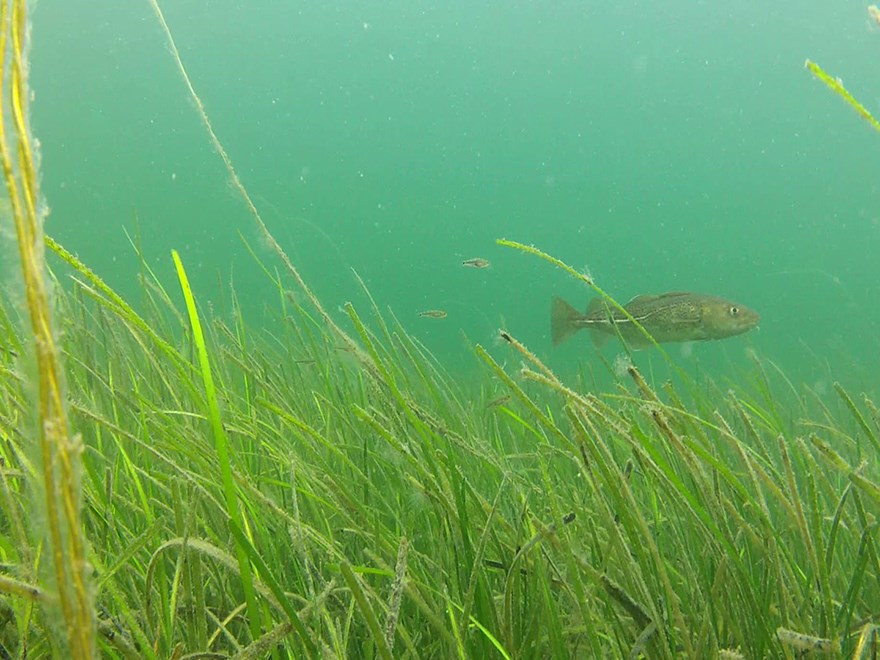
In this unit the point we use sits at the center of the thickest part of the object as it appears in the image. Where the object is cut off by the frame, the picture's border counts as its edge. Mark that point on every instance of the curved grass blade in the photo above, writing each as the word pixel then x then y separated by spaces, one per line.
pixel 221 445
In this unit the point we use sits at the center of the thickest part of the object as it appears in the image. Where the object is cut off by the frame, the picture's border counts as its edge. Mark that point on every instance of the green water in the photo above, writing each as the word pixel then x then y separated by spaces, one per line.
pixel 662 145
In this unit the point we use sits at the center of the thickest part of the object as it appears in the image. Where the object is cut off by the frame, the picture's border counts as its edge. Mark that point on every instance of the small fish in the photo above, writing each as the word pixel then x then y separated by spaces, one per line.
pixel 668 317
pixel 476 262
pixel 433 314
pixel 498 401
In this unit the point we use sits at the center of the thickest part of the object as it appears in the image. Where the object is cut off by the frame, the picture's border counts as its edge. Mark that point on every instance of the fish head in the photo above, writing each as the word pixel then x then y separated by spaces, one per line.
pixel 723 318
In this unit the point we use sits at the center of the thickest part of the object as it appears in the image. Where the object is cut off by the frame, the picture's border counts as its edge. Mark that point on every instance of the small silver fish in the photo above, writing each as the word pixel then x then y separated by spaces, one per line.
pixel 433 314
pixel 476 262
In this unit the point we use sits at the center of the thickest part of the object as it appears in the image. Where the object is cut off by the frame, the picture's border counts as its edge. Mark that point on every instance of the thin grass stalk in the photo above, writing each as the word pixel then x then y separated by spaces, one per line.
pixel 239 186
pixel 871 550
pixel 477 563
pixel 816 510
pixel 367 612
pixel 867 643
pixel 857 415
pixel 396 593
pixel 836 86
pixel 59 450
pixel 854 475
pixel 640 543
pixel 117 304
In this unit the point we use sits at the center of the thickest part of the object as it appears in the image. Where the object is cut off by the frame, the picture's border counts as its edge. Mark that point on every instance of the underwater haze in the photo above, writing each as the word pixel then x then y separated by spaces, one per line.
pixel 660 146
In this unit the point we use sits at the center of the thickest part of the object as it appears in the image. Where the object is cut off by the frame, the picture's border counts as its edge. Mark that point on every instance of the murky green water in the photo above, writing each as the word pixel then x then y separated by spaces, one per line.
pixel 663 146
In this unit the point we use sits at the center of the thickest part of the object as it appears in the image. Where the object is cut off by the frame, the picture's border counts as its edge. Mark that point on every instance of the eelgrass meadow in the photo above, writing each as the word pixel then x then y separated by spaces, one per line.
pixel 181 484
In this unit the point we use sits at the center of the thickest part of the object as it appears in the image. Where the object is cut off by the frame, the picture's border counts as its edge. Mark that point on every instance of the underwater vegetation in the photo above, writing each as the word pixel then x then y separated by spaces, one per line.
pixel 384 509
pixel 836 85
pixel 327 489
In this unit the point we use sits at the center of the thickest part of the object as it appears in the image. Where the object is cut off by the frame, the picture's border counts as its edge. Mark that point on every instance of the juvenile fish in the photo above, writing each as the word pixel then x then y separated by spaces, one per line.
pixel 498 401
pixel 433 314
pixel 476 262
pixel 669 317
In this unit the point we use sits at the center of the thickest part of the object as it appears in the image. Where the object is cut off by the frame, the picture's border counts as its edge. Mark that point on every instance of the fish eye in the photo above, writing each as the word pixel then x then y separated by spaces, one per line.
pixel 734 310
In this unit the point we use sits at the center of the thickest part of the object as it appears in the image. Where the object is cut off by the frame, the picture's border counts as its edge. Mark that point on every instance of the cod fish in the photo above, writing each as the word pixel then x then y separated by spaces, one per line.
pixel 668 317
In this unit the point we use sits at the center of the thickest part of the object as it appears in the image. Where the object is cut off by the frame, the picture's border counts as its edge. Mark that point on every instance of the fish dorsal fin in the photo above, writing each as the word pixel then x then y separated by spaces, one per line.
pixel 643 299
pixel 597 306
pixel 652 298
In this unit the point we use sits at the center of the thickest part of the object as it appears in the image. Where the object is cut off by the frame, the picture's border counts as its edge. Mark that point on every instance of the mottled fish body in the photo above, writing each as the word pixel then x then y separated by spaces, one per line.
pixel 668 317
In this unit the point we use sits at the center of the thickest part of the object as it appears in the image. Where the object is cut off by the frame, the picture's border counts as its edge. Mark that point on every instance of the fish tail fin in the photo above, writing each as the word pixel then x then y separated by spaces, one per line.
pixel 563 319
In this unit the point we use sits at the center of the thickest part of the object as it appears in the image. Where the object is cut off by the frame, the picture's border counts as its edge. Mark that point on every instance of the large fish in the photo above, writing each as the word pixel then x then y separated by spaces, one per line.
pixel 668 317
